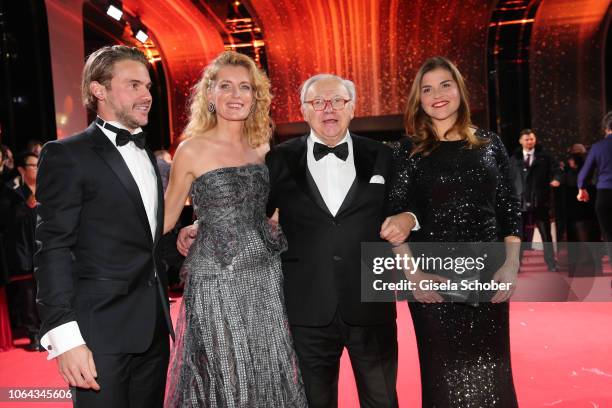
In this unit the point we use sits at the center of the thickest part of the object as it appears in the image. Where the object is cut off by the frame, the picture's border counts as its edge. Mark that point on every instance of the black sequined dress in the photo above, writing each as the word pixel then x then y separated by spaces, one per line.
pixel 461 195
pixel 233 346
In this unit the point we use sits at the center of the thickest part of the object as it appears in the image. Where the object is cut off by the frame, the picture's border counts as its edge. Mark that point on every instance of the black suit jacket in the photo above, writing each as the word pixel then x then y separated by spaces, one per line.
pixel 533 184
pixel 96 259
pixel 322 265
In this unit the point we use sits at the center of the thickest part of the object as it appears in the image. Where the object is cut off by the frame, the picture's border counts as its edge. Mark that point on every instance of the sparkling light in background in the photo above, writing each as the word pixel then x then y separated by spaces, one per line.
pixel 377 44
pixel 566 72
pixel 187 42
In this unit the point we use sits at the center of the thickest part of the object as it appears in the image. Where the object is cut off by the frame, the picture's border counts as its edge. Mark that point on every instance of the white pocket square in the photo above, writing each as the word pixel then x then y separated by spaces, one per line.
pixel 377 179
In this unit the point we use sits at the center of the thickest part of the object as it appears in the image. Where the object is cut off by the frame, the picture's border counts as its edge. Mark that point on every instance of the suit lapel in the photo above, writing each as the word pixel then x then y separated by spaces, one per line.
pixel 364 164
pixel 298 165
pixel 115 161
pixel 315 194
pixel 364 159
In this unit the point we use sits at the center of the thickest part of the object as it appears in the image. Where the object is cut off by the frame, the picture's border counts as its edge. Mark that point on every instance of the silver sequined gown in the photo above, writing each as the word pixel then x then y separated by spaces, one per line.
pixel 233 344
pixel 461 195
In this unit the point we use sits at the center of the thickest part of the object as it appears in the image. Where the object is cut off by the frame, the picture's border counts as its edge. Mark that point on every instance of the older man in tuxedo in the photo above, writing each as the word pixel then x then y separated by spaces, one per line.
pixel 101 291
pixel 330 187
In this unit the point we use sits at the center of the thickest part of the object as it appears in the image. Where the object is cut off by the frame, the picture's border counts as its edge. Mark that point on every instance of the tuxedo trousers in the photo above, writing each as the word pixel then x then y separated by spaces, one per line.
pixel 538 218
pixel 134 380
pixel 373 353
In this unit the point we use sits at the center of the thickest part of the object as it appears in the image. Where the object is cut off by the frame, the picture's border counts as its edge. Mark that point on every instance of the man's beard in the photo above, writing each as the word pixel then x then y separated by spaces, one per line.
pixel 124 118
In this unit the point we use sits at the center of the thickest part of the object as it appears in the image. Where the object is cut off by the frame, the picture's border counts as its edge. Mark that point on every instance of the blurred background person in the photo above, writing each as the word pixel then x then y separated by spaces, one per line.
pixel 170 256
pixel 564 181
pixel 8 173
pixel 163 155
pixel 576 218
pixel 600 159
pixel 6 334
pixel 6 206
pixel 532 171
pixel 8 200
pixel 164 161
pixel 22 288
pixel 34 146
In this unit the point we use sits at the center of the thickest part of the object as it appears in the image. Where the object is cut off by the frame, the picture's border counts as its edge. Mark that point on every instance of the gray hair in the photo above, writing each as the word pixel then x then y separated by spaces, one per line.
pixel 348 84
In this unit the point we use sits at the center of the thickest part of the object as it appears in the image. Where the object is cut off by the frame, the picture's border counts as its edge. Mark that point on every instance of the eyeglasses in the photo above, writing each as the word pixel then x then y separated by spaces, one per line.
pixel 320 104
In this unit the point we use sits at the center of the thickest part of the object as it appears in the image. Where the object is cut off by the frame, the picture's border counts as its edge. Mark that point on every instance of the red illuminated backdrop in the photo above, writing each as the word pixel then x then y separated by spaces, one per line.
pixel 567 71
pixel 187 41
pixel 379 44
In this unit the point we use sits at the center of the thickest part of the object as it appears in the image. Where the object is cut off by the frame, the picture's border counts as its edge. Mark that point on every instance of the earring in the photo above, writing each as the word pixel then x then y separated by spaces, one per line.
pixel 211 107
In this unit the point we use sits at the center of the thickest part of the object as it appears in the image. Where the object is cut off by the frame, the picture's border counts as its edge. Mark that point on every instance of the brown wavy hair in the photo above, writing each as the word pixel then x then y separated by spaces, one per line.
pixel 419 126
pixel 258 126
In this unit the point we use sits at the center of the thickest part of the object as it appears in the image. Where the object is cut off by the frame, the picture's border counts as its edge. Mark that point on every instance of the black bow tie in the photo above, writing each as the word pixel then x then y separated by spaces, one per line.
pixel 124 136
pixel 321 150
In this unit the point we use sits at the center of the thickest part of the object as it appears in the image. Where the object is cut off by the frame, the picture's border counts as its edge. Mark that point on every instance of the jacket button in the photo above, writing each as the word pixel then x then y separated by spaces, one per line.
pixel 337 258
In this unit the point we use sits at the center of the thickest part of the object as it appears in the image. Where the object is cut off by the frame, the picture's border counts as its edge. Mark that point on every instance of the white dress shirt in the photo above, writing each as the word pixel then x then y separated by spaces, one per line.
pixel 332 175
pixel 531 154
pixel 68 336
pixel 142 170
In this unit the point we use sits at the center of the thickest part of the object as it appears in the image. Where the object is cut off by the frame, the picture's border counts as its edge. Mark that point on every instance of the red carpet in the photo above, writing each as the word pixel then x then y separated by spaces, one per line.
pixel 561 356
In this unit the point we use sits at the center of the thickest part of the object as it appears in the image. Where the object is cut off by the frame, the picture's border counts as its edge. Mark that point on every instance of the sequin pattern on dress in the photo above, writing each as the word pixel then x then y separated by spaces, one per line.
pixel 460 195
pixel 234 348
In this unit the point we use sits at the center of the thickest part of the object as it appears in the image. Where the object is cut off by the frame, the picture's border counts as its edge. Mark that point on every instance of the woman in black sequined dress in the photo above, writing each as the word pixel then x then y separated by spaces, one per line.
pixel 455 177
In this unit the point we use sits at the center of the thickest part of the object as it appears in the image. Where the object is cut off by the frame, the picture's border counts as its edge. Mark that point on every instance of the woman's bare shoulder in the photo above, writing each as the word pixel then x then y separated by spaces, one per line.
pixel 262 150
pixel 196 146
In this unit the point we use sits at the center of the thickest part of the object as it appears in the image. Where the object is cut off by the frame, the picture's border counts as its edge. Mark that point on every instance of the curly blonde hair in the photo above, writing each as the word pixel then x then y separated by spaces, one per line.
pixel 258 126
pixel 419 125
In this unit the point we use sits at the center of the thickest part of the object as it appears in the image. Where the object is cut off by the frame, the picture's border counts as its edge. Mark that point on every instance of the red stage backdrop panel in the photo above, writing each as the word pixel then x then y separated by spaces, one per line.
pixel 379 44
pixel 187 41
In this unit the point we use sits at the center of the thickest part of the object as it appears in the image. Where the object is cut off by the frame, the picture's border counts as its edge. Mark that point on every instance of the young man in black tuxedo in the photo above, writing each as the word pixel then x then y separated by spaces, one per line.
pixel 101 289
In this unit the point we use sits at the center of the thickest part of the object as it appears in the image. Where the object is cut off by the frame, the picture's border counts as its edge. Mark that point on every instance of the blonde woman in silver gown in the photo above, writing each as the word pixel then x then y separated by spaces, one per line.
pixel 233 345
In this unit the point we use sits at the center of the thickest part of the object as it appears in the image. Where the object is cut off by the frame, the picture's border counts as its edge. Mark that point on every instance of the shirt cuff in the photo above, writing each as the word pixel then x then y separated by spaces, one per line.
pixel 61 339
pixel 417 226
